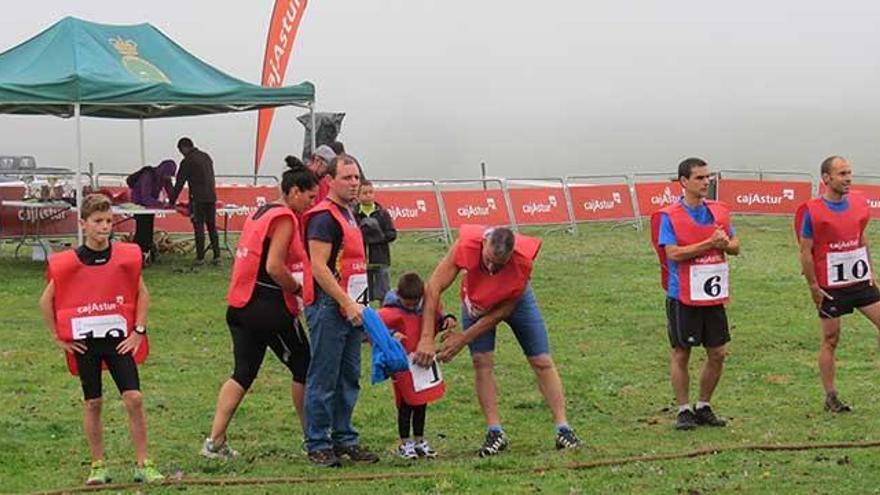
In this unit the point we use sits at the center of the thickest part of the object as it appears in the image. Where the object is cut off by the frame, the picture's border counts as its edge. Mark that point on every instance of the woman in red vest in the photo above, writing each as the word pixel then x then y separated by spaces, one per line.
pixel 263 300
pixel 497 265
pixel 102 325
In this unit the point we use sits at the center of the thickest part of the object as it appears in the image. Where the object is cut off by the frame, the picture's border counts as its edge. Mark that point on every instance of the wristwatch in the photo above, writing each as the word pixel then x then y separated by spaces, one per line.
pixel 140 329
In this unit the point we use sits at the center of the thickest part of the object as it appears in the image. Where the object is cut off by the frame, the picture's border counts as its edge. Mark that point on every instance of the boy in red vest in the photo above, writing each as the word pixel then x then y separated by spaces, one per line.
pixel 692 238
pixel 415 389
pixel 95 305
pixel 836 263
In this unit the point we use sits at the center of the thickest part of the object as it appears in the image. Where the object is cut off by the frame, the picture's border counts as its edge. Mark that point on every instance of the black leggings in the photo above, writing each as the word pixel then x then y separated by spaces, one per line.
pixel 266 322
pixel 121 366
pixel 416 414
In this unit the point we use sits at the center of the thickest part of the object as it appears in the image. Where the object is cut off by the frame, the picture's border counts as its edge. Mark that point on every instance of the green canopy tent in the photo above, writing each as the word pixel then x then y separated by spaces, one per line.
pixel 77 68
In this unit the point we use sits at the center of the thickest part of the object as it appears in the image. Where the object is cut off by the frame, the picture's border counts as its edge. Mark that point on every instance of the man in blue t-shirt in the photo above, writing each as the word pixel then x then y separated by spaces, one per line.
pixel 690 325
pixel 833 302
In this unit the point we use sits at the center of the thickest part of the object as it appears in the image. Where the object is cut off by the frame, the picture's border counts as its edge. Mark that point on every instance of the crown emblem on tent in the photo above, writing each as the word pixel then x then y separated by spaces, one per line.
pixel 137 66
pixel 124 47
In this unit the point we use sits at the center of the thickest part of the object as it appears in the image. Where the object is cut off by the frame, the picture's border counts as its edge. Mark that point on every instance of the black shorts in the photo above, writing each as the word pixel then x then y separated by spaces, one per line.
pixel 266 322
pixel 846 299
pixel 122 367
pixel 691 326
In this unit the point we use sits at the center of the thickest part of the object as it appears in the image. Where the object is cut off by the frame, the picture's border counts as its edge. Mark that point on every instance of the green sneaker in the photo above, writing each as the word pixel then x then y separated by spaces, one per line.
pixel 98 475
pixel 148 473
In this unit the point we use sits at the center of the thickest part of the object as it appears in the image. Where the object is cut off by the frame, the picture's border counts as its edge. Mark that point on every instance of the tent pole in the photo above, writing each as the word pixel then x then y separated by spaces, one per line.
pixel 143 147
pixel 314 130
pixel 79 165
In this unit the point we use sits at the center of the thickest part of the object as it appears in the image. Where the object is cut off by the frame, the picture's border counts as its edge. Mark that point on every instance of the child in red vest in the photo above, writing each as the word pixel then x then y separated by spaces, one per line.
pixel 414 389
pixel 95 305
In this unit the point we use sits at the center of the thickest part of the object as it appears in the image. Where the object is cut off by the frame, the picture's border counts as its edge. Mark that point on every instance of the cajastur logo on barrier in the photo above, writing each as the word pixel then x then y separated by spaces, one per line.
pixel 534 207
pixel 765 199
pixel 469 211
pixel 33 215
pixel 98 307
pixel 664 198
pixel 603 204
pixel 397 211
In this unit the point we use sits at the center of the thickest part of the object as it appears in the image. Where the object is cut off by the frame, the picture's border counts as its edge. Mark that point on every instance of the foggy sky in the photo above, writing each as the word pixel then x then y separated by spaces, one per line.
pixel 432 88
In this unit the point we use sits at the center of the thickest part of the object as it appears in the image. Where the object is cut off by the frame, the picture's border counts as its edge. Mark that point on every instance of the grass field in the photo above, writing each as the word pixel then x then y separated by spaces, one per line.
pixel 600 295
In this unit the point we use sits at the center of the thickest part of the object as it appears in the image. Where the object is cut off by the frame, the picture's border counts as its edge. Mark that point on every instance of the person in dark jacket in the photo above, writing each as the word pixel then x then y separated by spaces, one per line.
pixel 197 170
pixel 378 231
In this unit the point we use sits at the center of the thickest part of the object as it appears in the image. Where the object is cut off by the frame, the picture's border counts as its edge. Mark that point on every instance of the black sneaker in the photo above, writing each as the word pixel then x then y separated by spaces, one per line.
pixel 215 261
pixel 566 439
pixel 356 453
pixel 833 404
pixel 495 442
pixel 706 417
pixel 324 458
pixel 686 420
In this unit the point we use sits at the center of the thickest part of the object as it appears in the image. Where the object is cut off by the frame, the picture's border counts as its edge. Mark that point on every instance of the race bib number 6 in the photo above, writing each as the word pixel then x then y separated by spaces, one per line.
pixel 357 288
pixel 847 267
pixel 709 282
pixel 99 327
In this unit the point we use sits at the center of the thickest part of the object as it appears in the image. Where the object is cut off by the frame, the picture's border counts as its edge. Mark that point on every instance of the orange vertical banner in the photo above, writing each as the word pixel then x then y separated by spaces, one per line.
pixel 286 17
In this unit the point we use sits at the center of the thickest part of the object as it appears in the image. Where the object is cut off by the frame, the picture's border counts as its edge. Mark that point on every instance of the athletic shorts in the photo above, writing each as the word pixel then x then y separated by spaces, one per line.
pixel 846 299
pixel 526 322
pixel 122 367
pixel 691 326
pixel 266 322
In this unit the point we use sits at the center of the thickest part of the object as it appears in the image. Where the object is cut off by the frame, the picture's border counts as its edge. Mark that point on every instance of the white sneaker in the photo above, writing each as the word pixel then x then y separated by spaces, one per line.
pixel 222 451
pixel 407 451
pixel 424 450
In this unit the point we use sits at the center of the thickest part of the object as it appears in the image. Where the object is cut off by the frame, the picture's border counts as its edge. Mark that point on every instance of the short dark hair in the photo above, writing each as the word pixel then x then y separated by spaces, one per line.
pixel 340 159
pixel 185 142
pixel 501 241
pixel 94 203
pixel 828 163
pixel 685 167
pixel 337 147
pixel 366 182
pixel 410 286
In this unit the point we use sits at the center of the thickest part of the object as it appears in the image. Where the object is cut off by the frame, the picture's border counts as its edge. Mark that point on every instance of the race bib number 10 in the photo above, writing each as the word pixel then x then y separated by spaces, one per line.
pixel 425 378
pixel 99 327
pixel 848 267
pixel 357 288
pixel 709 282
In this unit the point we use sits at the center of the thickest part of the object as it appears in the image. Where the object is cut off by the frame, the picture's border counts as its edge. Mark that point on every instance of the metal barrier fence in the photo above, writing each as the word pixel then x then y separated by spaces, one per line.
pixel 438 207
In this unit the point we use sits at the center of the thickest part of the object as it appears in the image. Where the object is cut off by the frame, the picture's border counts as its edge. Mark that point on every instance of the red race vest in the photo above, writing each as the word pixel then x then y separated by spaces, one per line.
pixel 481 291
pixel 351 263
pixel 250 251
pixel 410 325
pixel 86 309
pixel 840 256
pixel 703 281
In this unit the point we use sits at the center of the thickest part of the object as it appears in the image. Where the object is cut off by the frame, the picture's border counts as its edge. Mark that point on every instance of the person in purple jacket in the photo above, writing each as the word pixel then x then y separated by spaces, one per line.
pixel 145 187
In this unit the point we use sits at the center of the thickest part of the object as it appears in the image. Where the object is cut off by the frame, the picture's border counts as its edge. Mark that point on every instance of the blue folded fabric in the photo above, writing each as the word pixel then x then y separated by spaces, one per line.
pixel 389 357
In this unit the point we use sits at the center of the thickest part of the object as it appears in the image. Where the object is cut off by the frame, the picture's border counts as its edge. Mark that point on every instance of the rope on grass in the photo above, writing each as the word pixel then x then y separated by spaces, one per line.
pixel 346 478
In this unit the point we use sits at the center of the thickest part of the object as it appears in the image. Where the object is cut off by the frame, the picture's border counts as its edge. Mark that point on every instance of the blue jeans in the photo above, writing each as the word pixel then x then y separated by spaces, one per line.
pixel 526 322
pixel 332 381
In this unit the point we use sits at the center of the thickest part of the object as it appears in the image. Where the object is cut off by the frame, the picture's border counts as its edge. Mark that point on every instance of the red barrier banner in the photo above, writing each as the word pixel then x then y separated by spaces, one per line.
pixel 411 210
pixel 63 222
pixel 601 202
pixel 763 196
pixel 870 191
pixel 539 205
pixel 475 207
pixel 653 196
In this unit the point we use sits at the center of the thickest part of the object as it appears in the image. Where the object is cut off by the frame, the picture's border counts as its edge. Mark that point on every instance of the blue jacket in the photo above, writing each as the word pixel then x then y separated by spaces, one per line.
pixel 388 354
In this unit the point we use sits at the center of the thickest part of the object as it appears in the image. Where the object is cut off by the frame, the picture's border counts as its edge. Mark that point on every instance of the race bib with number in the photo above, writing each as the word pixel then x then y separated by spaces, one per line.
pixel 709 282
pixel 99 327
pixel 424 378
pixel 357 288
pixel 848 267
